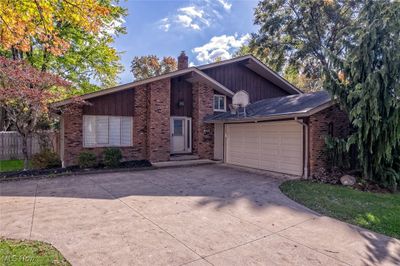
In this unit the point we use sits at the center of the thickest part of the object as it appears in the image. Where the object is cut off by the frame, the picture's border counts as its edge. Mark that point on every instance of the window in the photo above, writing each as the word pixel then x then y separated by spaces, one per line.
pixel 178 127
pixel 106 131
pixel 330 129
pixel 219 103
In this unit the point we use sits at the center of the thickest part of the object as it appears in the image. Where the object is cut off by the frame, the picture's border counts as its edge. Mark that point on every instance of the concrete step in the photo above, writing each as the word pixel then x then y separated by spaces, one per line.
pixel 184 157
pixel 183 163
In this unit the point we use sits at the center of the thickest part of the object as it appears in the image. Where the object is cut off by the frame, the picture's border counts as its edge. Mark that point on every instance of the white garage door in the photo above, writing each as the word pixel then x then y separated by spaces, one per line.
pixel 273 146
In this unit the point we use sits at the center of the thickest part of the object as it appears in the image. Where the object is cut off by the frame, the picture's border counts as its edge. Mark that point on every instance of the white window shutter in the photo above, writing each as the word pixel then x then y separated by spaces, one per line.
pixel 115 131
pixel 101 130
pixel 126 131
pixel 89 131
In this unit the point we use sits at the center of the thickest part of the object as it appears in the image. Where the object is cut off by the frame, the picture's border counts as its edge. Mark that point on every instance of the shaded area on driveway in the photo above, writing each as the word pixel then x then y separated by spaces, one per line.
pixel 194 215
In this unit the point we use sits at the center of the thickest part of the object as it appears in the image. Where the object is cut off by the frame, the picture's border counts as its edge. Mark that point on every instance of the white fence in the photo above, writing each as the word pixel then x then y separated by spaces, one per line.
pixel 11 145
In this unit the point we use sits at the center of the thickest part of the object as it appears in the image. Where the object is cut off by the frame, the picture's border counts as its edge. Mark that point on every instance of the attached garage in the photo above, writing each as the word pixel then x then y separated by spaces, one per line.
pixel 272 146
pixel 284 135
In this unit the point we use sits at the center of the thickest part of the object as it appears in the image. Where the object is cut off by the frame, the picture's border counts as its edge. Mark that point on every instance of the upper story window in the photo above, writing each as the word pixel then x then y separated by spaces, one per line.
pixel 219 103
pixel 107 131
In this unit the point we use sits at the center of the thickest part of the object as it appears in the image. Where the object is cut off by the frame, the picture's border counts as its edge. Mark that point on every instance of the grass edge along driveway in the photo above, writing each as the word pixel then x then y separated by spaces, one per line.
pixel 374 211
pixel 11 165
pixel 26 252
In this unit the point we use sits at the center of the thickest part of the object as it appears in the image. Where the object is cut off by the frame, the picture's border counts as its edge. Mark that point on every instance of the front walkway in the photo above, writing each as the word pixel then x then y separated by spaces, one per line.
pixel 204 215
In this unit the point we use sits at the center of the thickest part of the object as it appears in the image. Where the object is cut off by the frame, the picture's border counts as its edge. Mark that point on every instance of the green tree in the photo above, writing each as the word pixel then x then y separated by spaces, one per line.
pixel 143 67
pixel 301 33
pixel 70 38
pixel 367 84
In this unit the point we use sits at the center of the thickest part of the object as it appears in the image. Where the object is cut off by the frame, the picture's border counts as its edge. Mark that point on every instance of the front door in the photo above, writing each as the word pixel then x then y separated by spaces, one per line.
pixel 181 134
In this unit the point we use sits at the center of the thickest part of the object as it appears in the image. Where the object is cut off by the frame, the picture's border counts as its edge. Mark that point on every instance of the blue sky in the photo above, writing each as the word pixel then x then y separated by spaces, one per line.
pixel 205 29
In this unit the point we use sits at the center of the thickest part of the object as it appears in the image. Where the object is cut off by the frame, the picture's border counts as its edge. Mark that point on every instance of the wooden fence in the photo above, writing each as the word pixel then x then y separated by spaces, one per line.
pixel 11 145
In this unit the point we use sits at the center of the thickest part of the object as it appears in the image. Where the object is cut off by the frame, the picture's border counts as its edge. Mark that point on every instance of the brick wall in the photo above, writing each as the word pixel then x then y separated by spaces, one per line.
pixel 72 135
pixel 139 140
pixel 73 140
pixel 319 124
pixel 203 134
pixel 158 120
pixel 150 134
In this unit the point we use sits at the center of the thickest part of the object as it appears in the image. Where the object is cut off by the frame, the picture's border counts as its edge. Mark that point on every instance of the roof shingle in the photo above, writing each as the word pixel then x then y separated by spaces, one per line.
pixel 288 105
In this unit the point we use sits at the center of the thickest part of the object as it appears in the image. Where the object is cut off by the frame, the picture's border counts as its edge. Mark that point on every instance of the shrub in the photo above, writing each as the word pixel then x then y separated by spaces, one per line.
pixel 45 159
pixel 87 160
pixel 112 157
pixel 337 154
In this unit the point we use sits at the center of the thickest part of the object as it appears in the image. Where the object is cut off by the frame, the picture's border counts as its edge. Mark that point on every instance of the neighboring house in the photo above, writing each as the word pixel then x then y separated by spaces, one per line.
pixel 187 112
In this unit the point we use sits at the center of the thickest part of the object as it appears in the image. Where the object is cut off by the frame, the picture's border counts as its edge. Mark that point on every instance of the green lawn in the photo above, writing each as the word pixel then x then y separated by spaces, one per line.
pixel 11 165
pixel 16 252
pixel 374 211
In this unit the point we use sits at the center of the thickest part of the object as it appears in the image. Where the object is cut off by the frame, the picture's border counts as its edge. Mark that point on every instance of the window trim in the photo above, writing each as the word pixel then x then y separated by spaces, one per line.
pixel 219 109
pixel 101 145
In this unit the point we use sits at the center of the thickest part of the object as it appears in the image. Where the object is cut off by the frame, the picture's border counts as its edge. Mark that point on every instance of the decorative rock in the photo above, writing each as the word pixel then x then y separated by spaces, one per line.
pixel 348 180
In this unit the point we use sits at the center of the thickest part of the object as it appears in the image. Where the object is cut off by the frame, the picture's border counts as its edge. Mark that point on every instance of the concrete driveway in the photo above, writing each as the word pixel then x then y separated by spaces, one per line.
pixel 205 215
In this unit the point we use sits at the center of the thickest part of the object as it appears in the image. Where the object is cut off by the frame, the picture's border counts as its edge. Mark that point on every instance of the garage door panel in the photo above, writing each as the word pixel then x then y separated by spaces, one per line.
pixel 268 152
pixel 269 158
pixel 274 146
pixel 246 162
pixel 268 140
pixel 249 156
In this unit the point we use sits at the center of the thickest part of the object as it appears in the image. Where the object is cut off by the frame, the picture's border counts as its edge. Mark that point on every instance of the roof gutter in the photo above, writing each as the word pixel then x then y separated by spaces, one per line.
pixel 275 117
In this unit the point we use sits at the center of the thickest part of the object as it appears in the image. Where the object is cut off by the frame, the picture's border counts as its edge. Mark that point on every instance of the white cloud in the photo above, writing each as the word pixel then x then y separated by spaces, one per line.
pixel 197 16
pixel 227 5
pixel 191 17
pixel 220 47
pixel 192 11
pixel 187 22
pixel 165 24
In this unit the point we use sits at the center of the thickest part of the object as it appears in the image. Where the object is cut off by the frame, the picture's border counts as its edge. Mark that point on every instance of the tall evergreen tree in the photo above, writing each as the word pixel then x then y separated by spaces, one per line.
pixel 367 84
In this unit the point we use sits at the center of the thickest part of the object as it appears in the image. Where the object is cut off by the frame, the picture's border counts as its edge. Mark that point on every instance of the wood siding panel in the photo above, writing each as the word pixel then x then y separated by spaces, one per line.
pixel 237 77
pixel 181 90
pixel 118 104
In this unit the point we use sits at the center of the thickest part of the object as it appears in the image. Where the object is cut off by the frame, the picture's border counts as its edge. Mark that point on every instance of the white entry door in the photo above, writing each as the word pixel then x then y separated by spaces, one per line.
pixel 273 146
pixel 181 134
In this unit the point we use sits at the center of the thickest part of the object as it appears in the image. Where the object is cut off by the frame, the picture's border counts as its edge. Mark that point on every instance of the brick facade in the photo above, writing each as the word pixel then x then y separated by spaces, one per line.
pixel 139 140
pixel 330 121
pixel 72 135
pixel 203 134
pixel 151 128
pixel 158 121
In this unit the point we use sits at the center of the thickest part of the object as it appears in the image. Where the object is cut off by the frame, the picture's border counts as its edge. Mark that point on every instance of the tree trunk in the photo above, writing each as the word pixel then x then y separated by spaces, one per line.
pixel 2 118
pixel 25 151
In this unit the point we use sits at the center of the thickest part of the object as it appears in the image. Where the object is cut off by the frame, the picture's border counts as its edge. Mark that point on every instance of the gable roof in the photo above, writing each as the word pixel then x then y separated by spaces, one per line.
pixel 260 68
pixel 248 60
pixel 215 84
pixel 299 105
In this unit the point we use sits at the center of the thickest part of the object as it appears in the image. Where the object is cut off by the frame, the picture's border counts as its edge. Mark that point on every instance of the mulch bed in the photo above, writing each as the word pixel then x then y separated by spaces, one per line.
pixel 32 173
pixel 333 177
pixel 371 187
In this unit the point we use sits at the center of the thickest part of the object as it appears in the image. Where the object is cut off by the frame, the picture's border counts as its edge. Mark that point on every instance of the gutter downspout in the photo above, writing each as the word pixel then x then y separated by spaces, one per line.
pixel 306 146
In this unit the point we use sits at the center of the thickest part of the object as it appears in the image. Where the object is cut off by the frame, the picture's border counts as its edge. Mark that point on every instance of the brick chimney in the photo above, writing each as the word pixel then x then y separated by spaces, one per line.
pixel 183 61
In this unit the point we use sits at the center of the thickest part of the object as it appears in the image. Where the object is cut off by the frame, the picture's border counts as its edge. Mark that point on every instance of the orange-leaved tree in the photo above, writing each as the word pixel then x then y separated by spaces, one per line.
pixel 147 66
pixel 24 23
